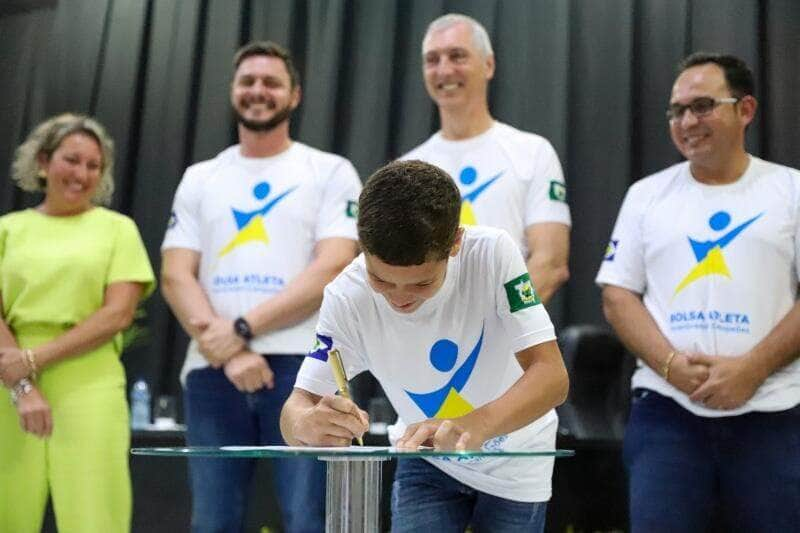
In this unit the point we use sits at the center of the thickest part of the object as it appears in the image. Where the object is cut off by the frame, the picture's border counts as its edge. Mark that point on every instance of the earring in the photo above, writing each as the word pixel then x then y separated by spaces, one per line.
pixel 41 177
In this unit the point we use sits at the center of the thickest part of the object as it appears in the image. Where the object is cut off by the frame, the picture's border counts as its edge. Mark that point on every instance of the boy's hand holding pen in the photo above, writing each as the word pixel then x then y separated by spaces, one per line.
pixel 335 360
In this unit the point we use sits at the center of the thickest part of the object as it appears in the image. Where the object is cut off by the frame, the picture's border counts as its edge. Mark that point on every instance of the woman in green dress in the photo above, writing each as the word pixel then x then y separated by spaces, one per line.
pixel 71 276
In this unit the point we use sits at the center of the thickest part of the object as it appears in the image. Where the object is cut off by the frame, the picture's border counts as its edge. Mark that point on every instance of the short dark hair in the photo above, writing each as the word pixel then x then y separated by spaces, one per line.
pixel 738 75
pixel 408 213
pixel 268 48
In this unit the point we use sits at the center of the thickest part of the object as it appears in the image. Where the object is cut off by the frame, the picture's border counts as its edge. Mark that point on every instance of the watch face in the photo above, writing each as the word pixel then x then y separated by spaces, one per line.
pixel 23 387
pixel 243 328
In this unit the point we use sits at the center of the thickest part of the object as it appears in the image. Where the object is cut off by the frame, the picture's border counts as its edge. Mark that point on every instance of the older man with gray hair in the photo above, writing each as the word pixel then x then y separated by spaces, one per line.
pixel 508 178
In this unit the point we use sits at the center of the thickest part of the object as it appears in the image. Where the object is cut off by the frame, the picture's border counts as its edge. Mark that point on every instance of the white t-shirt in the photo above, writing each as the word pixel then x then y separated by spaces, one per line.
pixel 453 354
pixel 717 266
pixel 508 178
pixel 255 222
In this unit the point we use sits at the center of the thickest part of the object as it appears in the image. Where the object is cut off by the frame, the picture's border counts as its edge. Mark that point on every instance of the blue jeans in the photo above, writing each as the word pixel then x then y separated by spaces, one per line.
pixel 684 468
pixel 218 415
pixel 426 499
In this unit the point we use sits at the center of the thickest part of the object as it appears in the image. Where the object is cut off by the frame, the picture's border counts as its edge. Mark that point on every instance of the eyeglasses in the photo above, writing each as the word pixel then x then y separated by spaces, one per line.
pixel 699 107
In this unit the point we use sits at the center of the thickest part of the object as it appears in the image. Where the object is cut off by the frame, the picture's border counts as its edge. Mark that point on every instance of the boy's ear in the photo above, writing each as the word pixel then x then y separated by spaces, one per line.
pixel 457 243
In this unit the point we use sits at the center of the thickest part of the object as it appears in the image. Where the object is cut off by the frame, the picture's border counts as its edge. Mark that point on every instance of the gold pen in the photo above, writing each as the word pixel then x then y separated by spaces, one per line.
pixel 335 359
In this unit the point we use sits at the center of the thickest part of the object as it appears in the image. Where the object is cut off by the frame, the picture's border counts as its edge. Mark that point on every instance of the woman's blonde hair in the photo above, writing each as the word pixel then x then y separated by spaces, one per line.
pixel 47 137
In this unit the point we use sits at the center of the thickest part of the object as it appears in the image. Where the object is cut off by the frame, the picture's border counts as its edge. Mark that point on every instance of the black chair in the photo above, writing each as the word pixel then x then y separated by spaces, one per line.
pixel 599 369
pixel 590 489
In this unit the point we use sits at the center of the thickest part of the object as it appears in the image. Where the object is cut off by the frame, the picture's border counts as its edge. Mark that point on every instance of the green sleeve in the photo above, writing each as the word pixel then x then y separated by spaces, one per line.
pixel 129 261
pixel 3 233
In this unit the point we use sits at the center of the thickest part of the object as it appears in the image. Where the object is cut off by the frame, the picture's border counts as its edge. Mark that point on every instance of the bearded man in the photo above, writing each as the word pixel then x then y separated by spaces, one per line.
pixel 255 235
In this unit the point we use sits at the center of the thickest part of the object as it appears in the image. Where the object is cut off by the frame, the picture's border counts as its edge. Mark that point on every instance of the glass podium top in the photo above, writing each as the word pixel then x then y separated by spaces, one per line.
pixel 352 452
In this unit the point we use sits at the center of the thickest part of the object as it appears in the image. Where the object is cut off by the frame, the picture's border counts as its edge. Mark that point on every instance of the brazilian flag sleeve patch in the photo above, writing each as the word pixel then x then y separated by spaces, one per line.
pixel 520 293
pixel 558 191
pixel 352 209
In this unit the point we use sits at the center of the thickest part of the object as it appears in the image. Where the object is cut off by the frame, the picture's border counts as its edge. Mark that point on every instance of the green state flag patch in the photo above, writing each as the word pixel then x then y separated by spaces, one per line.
pixel 352 209
pixel 558 191
pixel 521 294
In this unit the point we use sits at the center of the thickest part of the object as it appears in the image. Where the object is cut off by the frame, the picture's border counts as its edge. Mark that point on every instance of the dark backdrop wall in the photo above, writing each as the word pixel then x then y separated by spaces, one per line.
pixel 592 76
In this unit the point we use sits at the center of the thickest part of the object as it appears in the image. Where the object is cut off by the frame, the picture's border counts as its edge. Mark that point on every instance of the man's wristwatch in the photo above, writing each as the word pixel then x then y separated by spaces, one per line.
pixel 242 328
pixel 23 387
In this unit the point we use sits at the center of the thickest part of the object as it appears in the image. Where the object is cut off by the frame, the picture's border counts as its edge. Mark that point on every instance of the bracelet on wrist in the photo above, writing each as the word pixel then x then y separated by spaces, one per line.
pixel 23 387
pixel 666 366
pixel 29 356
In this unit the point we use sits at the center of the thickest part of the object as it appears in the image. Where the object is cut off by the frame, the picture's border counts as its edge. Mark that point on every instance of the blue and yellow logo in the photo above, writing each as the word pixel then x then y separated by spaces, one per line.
pixel 710 259
pixel 322 345
pixel 250 224
pixel 611 250
pixel 467 177
pixel 447 401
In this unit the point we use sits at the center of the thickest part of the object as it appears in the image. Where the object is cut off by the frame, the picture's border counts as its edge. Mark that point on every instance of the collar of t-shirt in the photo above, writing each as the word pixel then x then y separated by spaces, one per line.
pixel 462 144
pixel 747 176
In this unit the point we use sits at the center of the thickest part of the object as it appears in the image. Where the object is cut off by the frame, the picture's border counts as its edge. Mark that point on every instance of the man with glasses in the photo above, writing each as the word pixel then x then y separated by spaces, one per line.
pixel 508 179
pixel 700 281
